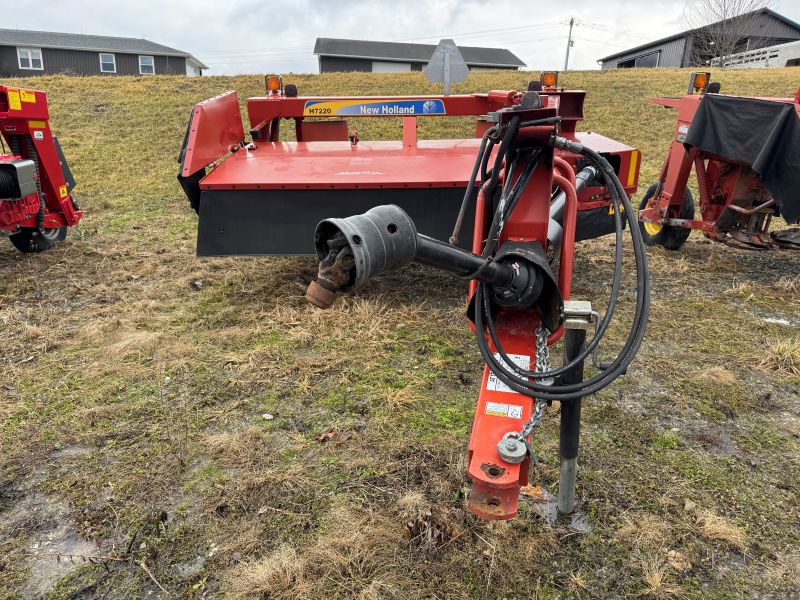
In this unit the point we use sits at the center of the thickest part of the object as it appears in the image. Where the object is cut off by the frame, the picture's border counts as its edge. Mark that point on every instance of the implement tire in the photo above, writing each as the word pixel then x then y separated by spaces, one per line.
pixel 671 238
pixel 31 241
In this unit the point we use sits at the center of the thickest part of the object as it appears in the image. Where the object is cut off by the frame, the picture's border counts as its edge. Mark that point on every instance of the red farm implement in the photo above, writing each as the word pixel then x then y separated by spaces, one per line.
pixel 745 153
pixel 265 197
pixel 36 205
pixel 519 301
pixel 527 186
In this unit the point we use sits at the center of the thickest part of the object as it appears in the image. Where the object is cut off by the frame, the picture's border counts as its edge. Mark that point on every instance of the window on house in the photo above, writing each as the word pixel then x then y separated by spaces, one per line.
pixel 390 67
pixel 147 66
pixel 108 63
pixel 30 58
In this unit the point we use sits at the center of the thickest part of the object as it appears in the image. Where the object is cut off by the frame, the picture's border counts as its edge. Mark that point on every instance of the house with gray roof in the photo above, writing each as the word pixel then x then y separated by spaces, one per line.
pixel 25 53
pixel 387 57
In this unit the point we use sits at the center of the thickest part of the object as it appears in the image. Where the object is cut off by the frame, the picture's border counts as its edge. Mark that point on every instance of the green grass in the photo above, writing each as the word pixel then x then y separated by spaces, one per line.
pixel 134 403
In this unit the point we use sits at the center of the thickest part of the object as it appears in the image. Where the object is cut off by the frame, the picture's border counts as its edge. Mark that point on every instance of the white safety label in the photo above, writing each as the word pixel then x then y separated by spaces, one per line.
pixel 498 409
pixel 494 384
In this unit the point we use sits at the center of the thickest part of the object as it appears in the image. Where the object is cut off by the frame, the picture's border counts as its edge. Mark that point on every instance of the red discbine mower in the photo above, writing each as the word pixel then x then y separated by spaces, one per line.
pixel 746 155
pixel 267 196
pixel 36 206
pixel 535 186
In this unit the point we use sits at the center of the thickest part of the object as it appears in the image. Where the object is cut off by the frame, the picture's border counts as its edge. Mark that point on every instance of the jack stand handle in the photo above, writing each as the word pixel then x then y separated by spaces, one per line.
pixel 569 435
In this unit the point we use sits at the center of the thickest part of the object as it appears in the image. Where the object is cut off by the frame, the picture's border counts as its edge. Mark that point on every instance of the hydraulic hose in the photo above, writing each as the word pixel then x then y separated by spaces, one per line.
pixel 516 377
pixel 462 212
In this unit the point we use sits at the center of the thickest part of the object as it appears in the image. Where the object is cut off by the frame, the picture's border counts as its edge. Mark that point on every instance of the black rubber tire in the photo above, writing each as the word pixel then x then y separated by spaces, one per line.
pixel 30 241
pixel 671 238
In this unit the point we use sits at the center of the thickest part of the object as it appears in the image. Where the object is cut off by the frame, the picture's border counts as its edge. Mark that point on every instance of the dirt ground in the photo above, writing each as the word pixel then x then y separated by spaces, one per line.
pixel 176 427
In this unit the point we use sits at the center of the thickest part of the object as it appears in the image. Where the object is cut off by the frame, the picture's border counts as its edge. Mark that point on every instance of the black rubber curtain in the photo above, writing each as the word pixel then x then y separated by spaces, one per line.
pixel 760 133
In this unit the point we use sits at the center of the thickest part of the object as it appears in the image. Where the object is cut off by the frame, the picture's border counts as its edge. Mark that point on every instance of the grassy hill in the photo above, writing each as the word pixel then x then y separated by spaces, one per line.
pixel 162 414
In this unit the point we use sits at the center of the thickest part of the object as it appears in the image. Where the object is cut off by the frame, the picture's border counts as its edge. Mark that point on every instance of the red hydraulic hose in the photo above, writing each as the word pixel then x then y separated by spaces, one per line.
pixel 565 169
pixel 568 240
pixel 478 232
pixel 567 244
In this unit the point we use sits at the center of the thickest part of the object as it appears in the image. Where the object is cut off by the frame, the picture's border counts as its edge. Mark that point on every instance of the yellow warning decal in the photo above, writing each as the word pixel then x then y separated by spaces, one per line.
pixel 611 209
pixel 13 99
pixel 37 124
pixel 27 96
pixel 634 164
pixel 62 191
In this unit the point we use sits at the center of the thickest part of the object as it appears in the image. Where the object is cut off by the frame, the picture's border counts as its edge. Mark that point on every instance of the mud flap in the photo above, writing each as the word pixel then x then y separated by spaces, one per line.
pixel 191 187
pixel 68 177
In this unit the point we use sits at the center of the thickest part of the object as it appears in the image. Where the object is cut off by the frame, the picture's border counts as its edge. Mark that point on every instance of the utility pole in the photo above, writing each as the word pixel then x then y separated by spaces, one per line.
pixel 569 43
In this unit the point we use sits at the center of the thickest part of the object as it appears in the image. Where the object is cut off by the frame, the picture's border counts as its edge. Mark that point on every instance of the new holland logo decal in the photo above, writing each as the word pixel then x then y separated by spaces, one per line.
pixel 372 108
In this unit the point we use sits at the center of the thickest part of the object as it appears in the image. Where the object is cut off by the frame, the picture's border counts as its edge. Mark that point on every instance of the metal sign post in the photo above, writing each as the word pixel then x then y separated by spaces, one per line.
pixel 446 65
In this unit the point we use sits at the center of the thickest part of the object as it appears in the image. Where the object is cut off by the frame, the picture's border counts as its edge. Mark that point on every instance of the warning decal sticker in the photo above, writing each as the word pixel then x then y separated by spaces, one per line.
pixel 494 384
pixel 13 99
pixel 27 96
pixel 372 108
pixel 498 409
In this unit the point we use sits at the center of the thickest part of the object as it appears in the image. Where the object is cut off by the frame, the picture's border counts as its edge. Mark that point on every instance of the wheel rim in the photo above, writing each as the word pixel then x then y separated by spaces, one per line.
pixel 50 234
pixel 653 228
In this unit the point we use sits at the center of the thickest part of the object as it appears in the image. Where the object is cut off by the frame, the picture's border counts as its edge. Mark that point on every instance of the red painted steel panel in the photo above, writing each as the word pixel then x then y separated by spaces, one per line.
pixel 496 483
pixel 315 165
pixel 216 126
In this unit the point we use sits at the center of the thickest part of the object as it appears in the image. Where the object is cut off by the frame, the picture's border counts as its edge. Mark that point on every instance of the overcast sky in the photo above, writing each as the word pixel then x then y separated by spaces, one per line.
pixel 259 36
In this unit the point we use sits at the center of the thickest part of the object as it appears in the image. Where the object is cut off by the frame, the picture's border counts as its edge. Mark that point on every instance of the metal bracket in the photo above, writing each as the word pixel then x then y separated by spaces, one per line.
pixel 578 314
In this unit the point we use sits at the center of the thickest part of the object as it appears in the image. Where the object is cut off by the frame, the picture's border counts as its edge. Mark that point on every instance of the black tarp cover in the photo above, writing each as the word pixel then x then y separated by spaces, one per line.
pixel 761 133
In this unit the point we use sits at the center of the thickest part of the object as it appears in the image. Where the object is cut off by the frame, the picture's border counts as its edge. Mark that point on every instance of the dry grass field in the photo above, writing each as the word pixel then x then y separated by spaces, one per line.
pixel 160 437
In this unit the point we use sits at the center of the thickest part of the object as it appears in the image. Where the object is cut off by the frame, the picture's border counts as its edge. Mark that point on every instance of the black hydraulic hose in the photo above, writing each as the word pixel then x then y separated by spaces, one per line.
pixel 602 326
pixel 512 128
pixel 516 192
pixel 491 237
pixel 485 161
pixel 613 190
pixel 508 199
pixel 619 365
pixel 612 303
pixel 462 212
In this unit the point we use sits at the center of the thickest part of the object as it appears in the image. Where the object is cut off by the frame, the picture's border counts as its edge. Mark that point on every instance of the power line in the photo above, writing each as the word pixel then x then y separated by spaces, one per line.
pixel 611 29
pixel 272 49
pixel 286 49
pixel 305 51
pixel 603 42
pixel 547 25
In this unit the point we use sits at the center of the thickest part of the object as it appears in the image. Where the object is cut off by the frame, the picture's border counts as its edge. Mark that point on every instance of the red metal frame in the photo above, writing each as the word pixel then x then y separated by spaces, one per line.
pixel 496 483
pixel 324 158
pixel 722 184
pixel 24 116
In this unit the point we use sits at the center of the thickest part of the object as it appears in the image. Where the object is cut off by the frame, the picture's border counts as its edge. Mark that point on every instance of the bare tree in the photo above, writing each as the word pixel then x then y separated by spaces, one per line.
pixel 722 27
